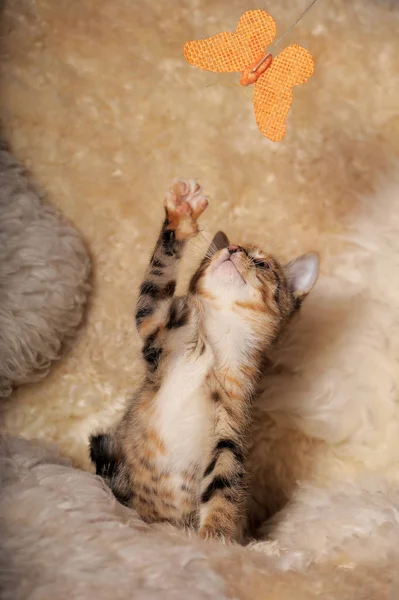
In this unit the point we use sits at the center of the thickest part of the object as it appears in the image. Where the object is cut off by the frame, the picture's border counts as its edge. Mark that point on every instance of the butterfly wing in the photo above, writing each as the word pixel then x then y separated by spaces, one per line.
pixel 273 91
pixel 227 52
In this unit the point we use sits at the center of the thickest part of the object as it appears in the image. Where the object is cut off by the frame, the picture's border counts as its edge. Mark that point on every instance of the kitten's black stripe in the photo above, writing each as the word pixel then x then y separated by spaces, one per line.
pixel 151 338
pixel 155 262
pixel 169 289
pixel 225 444
pixel 210 467
pixel 143 312
pixel 178 315
pixel 149 288
pixel 219 483
pixel 231 445
pixel 171 246
pixel 157 272
pixel 152 353
pixel 152 356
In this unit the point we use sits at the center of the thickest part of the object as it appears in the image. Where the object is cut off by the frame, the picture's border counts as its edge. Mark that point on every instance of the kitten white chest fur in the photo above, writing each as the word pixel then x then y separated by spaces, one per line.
pixel 184 410
pixel 229 336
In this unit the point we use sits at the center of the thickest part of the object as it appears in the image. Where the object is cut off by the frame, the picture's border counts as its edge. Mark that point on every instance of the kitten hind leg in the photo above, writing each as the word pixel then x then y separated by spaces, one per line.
pixel 223 486
pixel 110 465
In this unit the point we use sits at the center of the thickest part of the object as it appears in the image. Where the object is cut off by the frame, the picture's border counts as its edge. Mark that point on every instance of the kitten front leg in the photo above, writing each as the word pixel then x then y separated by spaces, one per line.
pixel 157 308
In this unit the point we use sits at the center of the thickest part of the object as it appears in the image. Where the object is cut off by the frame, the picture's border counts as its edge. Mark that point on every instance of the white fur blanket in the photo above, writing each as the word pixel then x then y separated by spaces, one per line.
pixel 64 536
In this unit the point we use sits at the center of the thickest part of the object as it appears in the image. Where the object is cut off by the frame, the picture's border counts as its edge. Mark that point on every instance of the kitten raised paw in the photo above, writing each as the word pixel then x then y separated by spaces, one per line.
pixel 184 204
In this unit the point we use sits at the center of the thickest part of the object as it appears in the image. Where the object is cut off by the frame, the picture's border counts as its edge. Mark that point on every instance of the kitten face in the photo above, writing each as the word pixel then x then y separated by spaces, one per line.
pixel 234 275
pixel 242 274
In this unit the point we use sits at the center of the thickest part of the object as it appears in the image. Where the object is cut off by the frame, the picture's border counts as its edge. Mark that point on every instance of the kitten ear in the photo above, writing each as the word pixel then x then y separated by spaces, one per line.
pixel 219 242
pixel 302 274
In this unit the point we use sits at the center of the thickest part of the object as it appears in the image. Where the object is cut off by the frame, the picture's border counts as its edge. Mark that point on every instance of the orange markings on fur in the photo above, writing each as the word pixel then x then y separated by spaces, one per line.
pixel 231 379
pixel 167 494
pixel 157 442
pixel 189 477
pixel 174 220
pixel 147 324
pixel 182 226
pixel 273 78
pixel 248 370
pixel 232 395
pixel 253 306
pixel 205 294
pixel 187 502
pixel 148 454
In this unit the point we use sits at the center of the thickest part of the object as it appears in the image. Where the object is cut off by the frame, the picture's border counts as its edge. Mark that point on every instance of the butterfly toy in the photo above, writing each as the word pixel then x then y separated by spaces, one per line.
pixel 273 77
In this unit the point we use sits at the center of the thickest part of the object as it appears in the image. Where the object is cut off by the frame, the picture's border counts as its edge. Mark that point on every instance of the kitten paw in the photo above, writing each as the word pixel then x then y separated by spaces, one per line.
pixel 184 203
pixel 208 532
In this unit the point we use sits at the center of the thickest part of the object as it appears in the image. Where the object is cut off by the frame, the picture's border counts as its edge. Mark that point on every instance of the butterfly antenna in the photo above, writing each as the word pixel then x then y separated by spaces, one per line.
pixel 268 50
pixel 293 25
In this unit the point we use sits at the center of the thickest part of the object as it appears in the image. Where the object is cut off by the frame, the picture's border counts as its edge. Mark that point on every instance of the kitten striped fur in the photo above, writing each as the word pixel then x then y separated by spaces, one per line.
pixel 178 454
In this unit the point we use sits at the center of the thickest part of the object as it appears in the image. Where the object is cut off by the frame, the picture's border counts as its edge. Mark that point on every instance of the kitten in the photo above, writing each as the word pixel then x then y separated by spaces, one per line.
pixel 178 453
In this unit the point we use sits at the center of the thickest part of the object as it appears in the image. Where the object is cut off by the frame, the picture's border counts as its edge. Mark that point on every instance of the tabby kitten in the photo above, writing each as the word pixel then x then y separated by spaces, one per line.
pixel 178 453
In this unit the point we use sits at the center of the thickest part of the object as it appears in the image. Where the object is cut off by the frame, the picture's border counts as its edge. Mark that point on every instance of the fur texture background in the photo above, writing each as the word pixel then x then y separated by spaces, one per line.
pixel 64 536
pixel 100 103
pixel 44 271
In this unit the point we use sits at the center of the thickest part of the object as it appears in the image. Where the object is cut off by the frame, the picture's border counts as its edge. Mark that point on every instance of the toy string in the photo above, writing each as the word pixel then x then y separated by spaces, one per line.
pixel 294 24
pixel 267 51
pixel 280 39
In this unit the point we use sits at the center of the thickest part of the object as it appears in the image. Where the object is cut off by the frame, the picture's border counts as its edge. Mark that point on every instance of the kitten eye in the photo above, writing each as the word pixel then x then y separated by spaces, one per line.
pixel 262 264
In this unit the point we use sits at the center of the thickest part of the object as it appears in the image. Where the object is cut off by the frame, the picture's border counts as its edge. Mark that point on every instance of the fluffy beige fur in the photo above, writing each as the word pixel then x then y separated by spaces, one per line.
pixel 98 100
pixel 64 536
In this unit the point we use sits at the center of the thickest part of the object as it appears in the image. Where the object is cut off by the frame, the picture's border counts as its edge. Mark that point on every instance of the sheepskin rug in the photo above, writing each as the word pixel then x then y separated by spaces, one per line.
pixel 63 535
pixel 44 279
pixel 98 101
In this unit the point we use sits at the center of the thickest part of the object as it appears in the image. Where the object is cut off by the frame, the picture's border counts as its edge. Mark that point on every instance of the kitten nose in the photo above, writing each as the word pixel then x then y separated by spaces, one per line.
pixel 232 249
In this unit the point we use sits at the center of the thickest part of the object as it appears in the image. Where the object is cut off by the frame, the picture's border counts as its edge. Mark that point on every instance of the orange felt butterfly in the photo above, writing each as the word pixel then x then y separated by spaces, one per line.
pixel 244 51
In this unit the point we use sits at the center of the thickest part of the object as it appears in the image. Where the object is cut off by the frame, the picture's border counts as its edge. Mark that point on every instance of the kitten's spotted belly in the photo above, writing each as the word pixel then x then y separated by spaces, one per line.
pixel 182 422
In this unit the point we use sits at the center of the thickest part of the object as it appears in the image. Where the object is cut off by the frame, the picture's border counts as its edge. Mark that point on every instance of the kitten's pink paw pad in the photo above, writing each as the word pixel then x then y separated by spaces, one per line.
pixel 186 199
